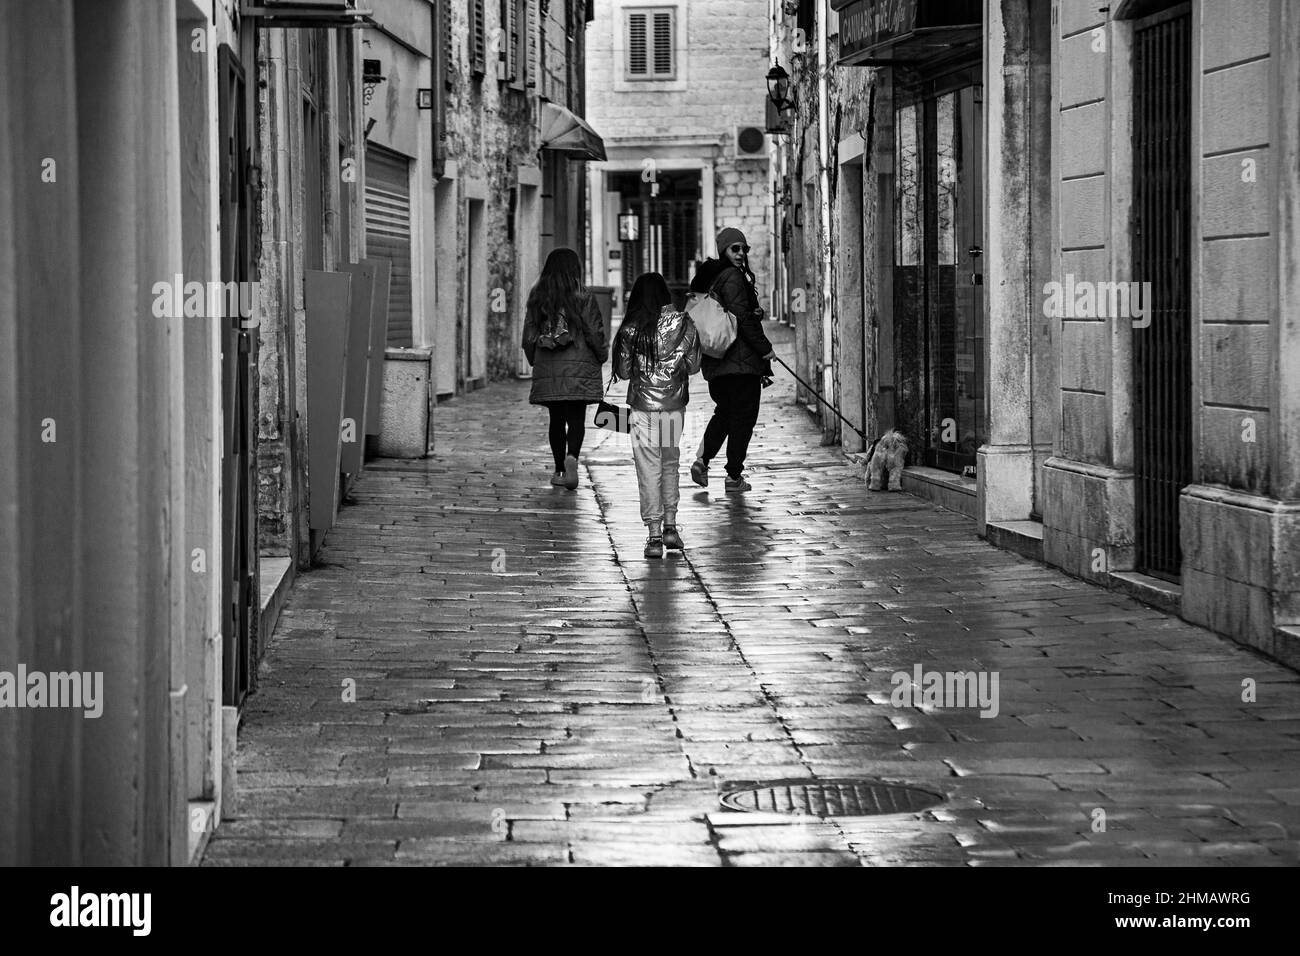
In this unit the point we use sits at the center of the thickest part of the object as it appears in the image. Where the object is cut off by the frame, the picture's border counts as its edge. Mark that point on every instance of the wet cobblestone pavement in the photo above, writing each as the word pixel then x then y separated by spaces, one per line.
pixel 530 690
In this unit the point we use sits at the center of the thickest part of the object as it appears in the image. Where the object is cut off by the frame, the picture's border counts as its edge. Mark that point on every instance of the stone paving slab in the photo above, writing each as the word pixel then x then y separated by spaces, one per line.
pixel 484 670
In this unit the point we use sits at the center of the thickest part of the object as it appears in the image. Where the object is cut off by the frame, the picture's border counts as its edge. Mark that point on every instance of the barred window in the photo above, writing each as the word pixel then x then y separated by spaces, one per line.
pixel 651 48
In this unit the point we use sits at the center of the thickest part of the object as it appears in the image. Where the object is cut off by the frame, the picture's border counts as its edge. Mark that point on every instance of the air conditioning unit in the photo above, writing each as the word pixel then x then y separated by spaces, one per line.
pixel 750 142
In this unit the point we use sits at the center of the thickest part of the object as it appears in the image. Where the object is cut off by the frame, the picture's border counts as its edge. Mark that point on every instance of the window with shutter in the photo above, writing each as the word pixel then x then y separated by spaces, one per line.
pixel 651 54
pixel 448 59
pixel 478 37
pixel 532 45
pixel 518 39
pixel 663 53
pixel 636 44
pixel 507 58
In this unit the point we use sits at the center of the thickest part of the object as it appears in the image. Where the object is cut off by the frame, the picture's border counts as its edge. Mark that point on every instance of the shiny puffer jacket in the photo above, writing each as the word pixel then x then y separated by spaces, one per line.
pixel 660 386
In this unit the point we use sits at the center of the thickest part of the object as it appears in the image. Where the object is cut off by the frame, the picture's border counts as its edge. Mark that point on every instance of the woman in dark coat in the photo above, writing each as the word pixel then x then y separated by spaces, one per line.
pixel 565 342
pixel 736 379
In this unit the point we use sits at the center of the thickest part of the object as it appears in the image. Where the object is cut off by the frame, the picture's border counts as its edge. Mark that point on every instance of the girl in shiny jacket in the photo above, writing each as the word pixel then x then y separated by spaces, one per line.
pixel 657 350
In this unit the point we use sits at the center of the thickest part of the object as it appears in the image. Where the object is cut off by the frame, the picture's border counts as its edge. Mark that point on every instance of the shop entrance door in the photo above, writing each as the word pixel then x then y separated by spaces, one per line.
pixel 239 565
pixel 938 277
pixel 666 228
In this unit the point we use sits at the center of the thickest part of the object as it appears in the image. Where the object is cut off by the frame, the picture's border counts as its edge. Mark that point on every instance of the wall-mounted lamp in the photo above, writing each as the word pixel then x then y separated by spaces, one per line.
pixel 424 99
pixel 778 88
pixel 371 76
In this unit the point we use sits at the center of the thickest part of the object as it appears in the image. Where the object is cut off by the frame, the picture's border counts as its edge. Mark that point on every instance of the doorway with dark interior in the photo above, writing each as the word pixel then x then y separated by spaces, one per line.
pixel 660 226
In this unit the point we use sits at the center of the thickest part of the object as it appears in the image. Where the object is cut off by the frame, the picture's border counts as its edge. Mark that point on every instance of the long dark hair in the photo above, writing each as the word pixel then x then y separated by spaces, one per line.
pixel 749 275
pixel 559 285
pixel 744 270
pixel 645 302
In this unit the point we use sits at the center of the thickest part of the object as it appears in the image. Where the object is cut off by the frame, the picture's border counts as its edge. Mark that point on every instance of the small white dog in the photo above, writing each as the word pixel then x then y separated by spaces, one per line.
pixel 888 455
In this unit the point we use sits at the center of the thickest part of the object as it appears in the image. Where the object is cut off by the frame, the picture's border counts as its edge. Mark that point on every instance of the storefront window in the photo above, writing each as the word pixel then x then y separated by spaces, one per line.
pixel 910 230
pixel 938 295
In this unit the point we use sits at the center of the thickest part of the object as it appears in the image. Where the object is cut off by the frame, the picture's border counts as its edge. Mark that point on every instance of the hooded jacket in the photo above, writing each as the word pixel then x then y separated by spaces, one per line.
pixel 572 373
pixel 661 386
pixel 745 357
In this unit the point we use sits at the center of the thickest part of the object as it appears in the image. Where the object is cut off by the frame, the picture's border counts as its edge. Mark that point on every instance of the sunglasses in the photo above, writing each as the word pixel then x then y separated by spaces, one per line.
pixel 739 248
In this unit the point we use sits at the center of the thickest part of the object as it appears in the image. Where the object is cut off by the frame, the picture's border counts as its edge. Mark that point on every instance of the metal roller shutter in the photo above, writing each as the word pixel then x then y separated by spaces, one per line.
pixel 388 234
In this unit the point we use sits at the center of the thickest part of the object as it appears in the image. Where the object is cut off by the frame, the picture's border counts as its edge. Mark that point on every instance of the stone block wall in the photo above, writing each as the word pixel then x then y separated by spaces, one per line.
pixel 1088 486
pixel 1238 522
pixel 1235 247
pixel 1240 536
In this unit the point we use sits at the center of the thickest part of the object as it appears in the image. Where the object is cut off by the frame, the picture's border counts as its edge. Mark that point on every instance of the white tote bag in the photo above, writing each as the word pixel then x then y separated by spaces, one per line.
pixel 716 326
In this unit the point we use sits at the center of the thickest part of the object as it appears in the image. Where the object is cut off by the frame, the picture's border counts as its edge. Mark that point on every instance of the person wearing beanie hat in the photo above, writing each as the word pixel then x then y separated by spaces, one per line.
pixel 729 237
pixel 736 380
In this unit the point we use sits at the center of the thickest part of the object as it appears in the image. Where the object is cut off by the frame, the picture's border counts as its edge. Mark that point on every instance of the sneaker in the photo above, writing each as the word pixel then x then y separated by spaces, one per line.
pixel 672 540
pixel 654 548
pixel 738 484
pixel 570 472
pixel 700 472
pixel 558 479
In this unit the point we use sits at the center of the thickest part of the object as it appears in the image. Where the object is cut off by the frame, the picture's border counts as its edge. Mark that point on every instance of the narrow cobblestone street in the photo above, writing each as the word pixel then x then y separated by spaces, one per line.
pixel 530 690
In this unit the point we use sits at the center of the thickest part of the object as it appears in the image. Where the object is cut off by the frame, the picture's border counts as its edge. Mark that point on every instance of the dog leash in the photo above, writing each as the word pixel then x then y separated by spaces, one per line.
pixel 869 441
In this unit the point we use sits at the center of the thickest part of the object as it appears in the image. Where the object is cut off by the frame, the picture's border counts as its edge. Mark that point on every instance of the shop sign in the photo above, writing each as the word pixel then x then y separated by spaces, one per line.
pixel 868 25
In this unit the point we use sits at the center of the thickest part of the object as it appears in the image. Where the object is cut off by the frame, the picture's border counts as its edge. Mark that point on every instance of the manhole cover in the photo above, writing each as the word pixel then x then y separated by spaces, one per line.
pixel 830 798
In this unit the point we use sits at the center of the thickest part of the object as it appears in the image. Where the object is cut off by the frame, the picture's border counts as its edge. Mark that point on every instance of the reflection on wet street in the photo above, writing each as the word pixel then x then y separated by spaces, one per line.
pixel 530 689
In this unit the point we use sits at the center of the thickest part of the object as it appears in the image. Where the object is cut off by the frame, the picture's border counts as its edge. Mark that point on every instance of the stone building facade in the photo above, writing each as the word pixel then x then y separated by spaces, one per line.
pixel 488 197
pixel 309 217
pixel 826 354
pixel 1060 260
pixel 1206 215
pixel 677 90
pixel 112 566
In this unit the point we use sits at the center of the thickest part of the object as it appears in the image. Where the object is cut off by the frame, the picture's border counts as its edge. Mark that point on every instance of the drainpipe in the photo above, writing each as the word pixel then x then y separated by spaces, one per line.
pixel 823 158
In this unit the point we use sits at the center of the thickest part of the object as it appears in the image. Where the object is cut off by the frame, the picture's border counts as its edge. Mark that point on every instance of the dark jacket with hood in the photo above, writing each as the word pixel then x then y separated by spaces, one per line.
pixel 745 357
pixel 571 373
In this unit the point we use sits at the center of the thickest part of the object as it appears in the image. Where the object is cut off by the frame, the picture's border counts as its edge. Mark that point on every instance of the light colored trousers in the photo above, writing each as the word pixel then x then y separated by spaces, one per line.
pixel 656 454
